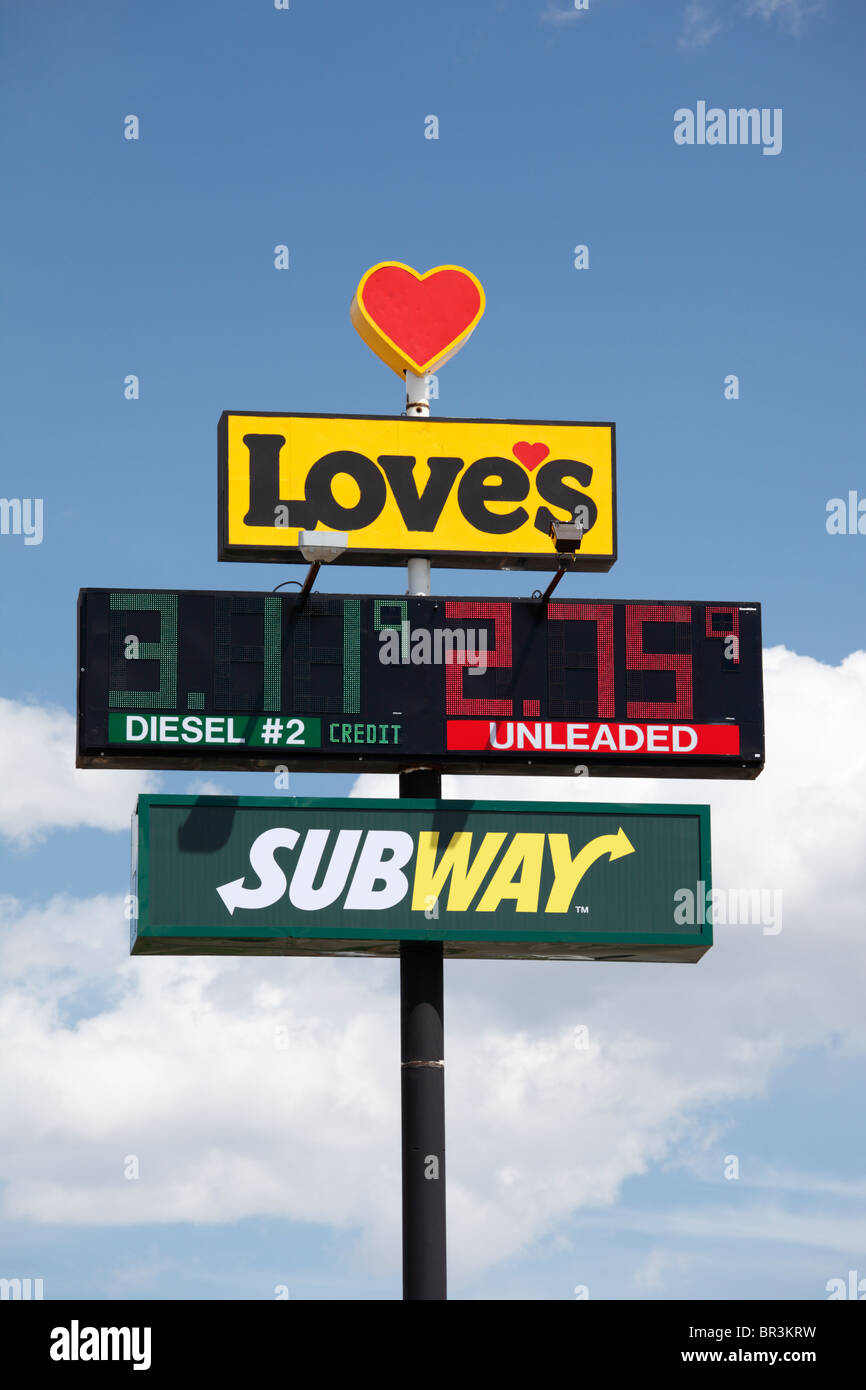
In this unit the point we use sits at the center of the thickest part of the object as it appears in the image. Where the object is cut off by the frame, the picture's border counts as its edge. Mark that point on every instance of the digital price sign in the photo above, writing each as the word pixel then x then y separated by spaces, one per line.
pixel 346 683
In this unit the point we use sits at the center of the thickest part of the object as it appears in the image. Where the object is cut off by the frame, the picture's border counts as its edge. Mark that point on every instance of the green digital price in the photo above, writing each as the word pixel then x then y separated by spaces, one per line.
pixel 230 658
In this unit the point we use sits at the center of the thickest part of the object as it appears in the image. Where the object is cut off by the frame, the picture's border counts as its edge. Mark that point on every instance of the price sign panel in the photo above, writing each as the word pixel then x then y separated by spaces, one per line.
pixel 341 683
pixel 277 876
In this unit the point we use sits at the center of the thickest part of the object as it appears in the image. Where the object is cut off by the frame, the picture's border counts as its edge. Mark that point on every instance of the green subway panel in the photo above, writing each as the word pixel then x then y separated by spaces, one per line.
pixel 523 880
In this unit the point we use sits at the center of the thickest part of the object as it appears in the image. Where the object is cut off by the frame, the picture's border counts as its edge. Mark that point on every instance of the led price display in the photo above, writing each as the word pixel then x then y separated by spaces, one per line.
pixel 195 679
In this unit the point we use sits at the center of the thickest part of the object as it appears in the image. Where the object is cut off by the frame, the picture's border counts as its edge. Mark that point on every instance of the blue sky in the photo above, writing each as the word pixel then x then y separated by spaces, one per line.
pixel 155 257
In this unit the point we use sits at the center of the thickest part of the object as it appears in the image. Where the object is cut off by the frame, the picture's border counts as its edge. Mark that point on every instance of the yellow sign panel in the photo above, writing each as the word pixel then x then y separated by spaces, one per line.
pixel 491 494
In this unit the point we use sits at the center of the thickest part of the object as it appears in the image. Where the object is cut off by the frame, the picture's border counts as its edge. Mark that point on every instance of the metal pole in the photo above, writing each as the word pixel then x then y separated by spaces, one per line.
pixel 418 575
pixel 417 400
pixel 418 407
pixel 422 1044
pixel 310 579
pixel 422 1096
pixel 552 585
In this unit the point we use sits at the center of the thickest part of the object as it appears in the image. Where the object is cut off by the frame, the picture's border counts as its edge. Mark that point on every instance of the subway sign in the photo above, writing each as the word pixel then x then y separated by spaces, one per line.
pixel 532 881
pixel 345 683
pixel 482 494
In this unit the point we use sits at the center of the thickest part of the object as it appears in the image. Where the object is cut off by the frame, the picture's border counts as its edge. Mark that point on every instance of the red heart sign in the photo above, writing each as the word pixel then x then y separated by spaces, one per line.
pixel 530 455
pixel 416 322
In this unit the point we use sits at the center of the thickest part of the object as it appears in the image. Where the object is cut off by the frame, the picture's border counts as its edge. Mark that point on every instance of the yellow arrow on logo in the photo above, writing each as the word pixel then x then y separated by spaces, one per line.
pixel 568 872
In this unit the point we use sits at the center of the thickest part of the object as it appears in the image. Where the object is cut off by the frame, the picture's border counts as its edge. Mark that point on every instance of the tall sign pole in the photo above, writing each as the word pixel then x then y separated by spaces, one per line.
pixel 422 1095
pixel 422 1033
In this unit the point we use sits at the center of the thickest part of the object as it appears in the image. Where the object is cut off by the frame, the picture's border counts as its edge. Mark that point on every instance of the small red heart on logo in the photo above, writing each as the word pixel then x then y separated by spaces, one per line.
pixel 530 455
pixel 416 321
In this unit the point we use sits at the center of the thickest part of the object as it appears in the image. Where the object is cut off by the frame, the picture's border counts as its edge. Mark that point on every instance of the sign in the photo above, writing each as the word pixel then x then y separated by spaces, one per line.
pixel 532 881
pixel 480 494
pixel 341 683
pixel 416 322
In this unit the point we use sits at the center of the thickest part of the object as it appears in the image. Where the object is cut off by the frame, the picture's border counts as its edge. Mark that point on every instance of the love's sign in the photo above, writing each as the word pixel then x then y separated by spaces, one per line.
pixel 533 880
pixel 482 494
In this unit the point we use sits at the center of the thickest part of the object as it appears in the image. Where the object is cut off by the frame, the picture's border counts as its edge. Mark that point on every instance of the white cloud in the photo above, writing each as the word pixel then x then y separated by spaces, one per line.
pixel 179 1060
pixel 791 14
pixel 700 26
pixel 701 23
pixel 659 1264
pixel 750 1222
pixel 40 787
pixel 204 786
pixel 552 15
